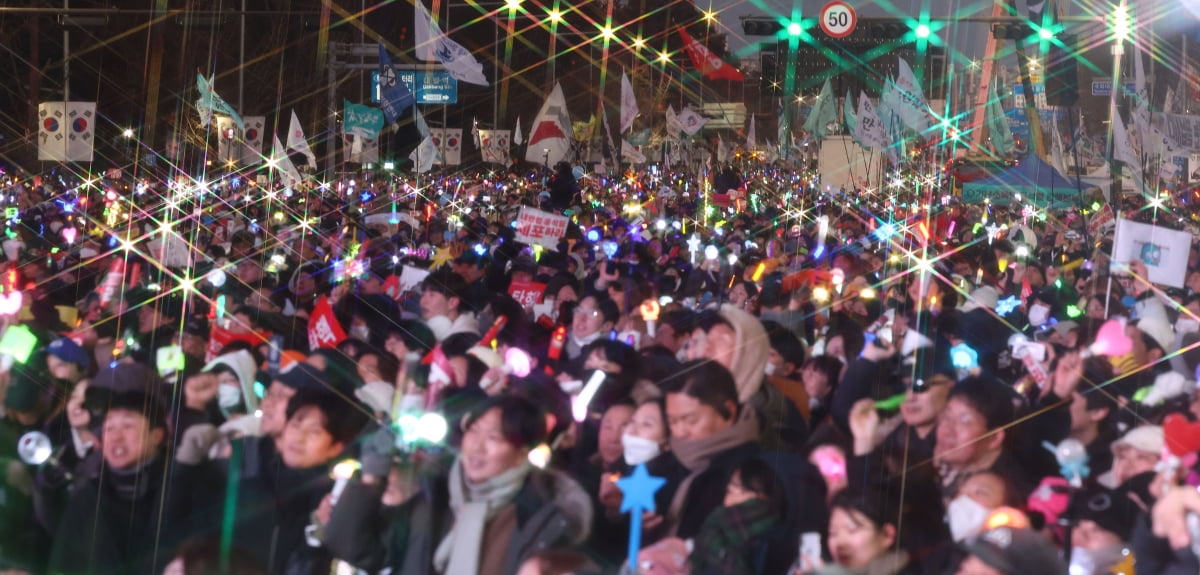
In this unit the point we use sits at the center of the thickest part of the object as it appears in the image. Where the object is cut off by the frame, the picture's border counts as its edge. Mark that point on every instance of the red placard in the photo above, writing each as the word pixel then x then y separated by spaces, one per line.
pixel 527 293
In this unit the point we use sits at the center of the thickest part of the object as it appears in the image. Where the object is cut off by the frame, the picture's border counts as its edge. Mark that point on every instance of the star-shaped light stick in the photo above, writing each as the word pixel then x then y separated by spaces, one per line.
pixel 638 490
pixel 1007 305
pixel 693 246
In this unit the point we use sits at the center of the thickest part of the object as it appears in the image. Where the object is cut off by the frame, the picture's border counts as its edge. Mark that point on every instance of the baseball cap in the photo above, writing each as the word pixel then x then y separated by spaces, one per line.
pixel 302 376
pixel 1016 552
pixel 70 352
pixel 1148 438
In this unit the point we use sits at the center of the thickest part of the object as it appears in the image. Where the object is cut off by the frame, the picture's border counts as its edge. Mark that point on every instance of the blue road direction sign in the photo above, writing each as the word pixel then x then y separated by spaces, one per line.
pixel 437 87
pixel 1104 87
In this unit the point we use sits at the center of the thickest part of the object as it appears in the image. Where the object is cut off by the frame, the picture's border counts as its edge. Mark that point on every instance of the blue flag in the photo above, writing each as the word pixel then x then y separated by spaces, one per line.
pixel 394 97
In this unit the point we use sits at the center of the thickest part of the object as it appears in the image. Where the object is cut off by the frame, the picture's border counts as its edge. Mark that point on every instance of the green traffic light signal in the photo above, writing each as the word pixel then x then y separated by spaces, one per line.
pixel 923 31
pixel 795 29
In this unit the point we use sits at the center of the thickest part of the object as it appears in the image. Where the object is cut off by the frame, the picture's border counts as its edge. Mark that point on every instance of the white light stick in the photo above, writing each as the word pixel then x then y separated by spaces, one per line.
pixel 650 309
pixel 580 404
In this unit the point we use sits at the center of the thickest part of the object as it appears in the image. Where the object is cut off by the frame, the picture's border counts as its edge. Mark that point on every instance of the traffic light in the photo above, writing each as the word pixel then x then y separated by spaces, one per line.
pixel 762 27
pixel 1019 31
pixel 768 70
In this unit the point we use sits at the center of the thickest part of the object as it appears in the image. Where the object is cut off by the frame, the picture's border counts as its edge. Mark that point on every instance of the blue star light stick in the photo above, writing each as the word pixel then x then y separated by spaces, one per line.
pixel 638 490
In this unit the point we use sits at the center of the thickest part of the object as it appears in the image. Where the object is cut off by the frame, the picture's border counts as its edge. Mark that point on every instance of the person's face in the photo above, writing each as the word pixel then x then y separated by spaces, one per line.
pixel 985 488
pixel 960 435
pixel 274 408
pixel 77 416
pixel 485 452
pixel 836 346
pixel 368 367
pixel 228 378
pixel 588 320
pixel 566 294
pixel 720 345
pixel 1095 308
pixel 1129 461
pixel 690 420
pixel 434 304
pixel 127 440
pixel 62 370
pixel 920 409
pixel 147 319
pixel 647 423
pixel 854 541
pixel 611 427
pixel 1090 536
pixel 305 285
pixel 193 345
pixel 249 271
pixel 816 383
pixel 736 492
pixel 738 295
pixel 306 443
pixel 1034 277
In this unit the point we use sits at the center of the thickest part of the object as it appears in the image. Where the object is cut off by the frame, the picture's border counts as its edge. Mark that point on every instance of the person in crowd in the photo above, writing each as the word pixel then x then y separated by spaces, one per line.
pixel 489 514
pixel 862 539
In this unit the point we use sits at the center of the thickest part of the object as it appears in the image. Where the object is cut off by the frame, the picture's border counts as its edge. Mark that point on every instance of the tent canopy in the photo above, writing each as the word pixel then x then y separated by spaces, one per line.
pixel 1034 179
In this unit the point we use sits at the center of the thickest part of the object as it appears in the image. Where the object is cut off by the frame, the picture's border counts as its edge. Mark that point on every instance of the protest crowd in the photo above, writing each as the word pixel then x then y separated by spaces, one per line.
pixel 550 372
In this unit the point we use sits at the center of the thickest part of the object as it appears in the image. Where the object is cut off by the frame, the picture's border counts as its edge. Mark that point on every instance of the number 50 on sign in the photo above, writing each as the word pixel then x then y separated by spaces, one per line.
pixel 838 19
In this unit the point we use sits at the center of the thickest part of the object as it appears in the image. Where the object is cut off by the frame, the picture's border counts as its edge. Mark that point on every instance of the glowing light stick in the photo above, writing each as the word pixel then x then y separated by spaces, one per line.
pixel 579 405
pixel 892 403
pixel 109 288
pixel 1111 341
pixel 342 473
pixel 638 490
pixel 650 311
pixel 693 246
pixel 493 331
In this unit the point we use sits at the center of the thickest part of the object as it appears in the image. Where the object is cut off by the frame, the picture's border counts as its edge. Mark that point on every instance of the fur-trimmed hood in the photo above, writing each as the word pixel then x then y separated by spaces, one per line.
pixel 750 353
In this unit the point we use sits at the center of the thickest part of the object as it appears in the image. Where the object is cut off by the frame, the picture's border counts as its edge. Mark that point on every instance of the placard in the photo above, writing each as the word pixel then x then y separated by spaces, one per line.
pixel 542 228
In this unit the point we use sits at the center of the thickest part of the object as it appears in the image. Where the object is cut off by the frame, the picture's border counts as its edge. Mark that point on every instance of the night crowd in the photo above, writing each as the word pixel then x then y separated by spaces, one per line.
pixel 354 378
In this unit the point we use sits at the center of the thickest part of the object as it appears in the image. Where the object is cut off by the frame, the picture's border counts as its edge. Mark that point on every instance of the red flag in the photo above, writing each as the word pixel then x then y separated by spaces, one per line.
pixel 709 64
pixel 219 337
pixel 391 287
pixel 441 375
pixel 323 328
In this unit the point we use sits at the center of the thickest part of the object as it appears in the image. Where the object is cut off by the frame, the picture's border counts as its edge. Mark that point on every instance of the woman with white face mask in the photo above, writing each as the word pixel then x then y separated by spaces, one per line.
pixel 979 495
pixel 646 440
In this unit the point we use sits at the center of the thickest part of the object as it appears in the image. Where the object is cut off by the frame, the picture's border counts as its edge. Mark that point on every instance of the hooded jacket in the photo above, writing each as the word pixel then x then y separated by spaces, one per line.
pixel 242 364
pixel 781 424
pixel 552 511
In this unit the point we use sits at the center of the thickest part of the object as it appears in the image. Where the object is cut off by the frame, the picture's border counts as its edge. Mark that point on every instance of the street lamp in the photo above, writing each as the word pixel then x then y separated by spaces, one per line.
pixel 128 133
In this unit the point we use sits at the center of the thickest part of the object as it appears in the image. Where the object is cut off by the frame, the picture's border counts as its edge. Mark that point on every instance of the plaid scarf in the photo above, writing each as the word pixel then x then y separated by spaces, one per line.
pixel 725 542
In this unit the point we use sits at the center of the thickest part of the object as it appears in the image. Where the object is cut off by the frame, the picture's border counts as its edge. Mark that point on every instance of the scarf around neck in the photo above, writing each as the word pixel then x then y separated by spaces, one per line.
pixel 697 454
pixel 473 506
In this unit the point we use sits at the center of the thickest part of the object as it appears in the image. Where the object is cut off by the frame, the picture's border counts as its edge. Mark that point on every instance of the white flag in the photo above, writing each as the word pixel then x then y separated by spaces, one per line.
pixel 449 145
pixel 81 130
pixel 287 170
pixel 549 139
pixel 360 149
pixel 629 107
pixel 1122 150
pixel 674 128
pixel 518 137
pixel 432 44
pixel 909 99
pixel 494 144
pixel 722 150
pixel 690 121
pixel 252 138
pixel 52 132
pixel 751 137
pixel 869 131
pixel 425 155
pixel 296 141
pixel 631 153
pixel 229 148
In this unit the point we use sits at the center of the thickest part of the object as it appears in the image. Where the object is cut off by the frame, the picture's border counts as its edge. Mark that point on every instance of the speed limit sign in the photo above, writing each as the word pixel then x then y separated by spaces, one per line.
pixel 838 19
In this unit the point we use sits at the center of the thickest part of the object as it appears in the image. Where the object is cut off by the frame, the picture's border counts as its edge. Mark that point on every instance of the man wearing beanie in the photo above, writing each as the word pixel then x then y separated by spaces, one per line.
pixel 1011 551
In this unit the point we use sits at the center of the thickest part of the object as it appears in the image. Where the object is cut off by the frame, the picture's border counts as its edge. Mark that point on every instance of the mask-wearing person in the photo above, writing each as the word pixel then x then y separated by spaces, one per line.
pixel 978 496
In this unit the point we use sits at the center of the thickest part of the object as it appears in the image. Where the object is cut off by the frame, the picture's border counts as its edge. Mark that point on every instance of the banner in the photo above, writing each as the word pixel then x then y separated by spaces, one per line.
pixel 709 65
pixel 360 150
pixel 538 227
pixel 229 149
pixel 52 132
pixel 362 120
pixel 494 145
pixel 323 328
pixel 81 123
pixel 548 140
pixel 432 44
pixel 252 138
pixel 1163 250
pixel 296 141
pixel 394 97
pixel 219 337
pixel 527 294
pixel 449 144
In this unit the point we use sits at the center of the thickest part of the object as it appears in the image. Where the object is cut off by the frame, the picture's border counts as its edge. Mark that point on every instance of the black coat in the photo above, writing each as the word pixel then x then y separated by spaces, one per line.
pixel 119 524
pixel 273 508
pixel 552 511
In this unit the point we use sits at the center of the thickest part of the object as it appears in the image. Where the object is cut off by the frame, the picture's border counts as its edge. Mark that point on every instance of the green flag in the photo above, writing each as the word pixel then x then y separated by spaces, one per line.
pixel 848 113
pixel 824 112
